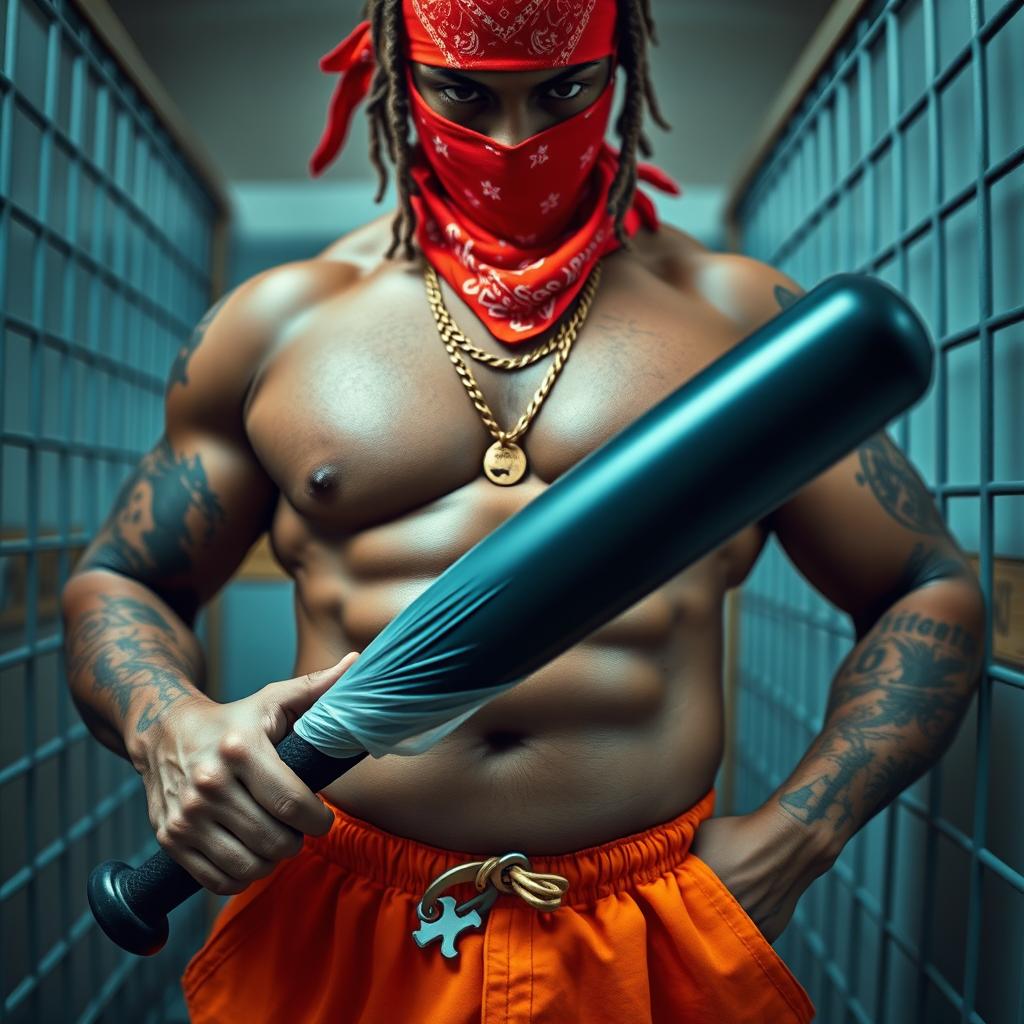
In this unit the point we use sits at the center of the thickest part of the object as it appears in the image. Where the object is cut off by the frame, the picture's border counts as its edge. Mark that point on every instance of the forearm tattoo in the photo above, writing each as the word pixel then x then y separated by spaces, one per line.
pixel 131 653
pixel 894 708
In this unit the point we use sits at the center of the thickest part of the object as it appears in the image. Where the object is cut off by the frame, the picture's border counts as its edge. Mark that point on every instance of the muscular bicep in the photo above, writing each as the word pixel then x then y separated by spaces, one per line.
pixel 183 520
pixel 197 501
pixel 867 531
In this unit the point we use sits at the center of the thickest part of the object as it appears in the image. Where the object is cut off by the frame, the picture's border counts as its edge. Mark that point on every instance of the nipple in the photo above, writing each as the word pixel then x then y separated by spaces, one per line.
pixel 323 481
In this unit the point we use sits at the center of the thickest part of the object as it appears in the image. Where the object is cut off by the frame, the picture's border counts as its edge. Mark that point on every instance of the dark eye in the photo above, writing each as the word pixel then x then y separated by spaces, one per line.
pixel 460 94
pixel 566 90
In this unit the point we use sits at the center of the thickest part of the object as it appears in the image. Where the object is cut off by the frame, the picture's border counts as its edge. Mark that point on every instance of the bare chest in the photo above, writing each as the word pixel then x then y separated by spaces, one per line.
pixel 361 417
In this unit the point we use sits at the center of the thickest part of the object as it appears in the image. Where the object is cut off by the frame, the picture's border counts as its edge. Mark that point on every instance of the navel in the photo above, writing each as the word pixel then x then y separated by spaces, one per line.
pixel 501 741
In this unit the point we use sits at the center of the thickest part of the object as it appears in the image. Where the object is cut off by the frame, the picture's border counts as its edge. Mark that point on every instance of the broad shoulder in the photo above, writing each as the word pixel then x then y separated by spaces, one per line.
pixel 238 330
pixel 259 310
pixel 247 323
pixel 746 291
pixel 215 369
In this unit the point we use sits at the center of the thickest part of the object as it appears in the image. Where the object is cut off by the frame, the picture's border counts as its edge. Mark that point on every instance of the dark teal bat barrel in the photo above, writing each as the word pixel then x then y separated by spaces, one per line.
pixel 718 453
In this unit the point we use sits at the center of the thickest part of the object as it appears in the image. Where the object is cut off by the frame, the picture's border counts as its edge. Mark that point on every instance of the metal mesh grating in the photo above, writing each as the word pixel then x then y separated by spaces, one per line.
pixel 105 241
pixel 906 160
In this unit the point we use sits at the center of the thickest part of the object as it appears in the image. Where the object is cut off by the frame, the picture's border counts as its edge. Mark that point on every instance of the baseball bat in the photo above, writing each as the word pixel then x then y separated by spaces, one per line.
pixel 721 451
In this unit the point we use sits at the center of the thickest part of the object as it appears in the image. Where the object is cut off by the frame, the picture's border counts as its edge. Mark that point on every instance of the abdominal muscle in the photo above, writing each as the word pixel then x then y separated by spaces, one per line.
pixel 604 741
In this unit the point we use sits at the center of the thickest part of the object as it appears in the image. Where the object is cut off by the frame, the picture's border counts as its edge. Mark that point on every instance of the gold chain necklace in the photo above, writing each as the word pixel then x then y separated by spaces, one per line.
pixel 505 461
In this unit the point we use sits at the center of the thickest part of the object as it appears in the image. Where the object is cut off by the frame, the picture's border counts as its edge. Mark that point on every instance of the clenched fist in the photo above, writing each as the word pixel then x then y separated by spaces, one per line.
pixel 221 801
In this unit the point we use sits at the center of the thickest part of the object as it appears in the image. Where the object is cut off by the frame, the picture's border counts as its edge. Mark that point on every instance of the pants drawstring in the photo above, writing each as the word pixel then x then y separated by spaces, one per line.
pixel 442 919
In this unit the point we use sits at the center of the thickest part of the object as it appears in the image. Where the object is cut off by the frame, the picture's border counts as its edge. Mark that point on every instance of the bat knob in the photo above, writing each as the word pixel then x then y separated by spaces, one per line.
pixel 109 897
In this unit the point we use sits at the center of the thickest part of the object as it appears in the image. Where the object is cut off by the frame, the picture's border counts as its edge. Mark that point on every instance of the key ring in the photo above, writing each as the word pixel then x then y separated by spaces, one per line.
pixel 428 905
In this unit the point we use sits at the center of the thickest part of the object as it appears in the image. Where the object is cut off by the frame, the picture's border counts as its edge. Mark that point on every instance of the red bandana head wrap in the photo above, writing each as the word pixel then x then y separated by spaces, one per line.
pixel 508 35
pixel 515 230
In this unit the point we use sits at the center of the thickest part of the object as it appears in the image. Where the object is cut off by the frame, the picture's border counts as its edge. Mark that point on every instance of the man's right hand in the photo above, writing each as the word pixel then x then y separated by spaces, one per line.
pixel 221 801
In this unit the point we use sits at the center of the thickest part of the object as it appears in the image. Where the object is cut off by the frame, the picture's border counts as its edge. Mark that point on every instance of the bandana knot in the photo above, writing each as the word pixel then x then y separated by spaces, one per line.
pixel 353 59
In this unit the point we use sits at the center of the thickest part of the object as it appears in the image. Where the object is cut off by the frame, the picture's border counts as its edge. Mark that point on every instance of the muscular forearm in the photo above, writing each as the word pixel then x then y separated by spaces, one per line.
pixel 129 657
pixel 895 706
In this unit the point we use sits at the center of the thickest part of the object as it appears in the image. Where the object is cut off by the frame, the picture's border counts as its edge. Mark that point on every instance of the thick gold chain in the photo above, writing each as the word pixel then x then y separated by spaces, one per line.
pixel 562 342
pixel 449 330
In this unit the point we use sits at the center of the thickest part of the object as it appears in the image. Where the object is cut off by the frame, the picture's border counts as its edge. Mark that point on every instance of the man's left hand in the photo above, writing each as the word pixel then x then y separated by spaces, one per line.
pixel 766 860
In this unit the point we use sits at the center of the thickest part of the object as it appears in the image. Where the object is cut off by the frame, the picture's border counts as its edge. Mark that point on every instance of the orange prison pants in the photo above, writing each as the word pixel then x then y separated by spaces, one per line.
pixel 646 933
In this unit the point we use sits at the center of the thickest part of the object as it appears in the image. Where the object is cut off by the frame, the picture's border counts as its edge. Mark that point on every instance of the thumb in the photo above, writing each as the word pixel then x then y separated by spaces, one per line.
pixel 284 702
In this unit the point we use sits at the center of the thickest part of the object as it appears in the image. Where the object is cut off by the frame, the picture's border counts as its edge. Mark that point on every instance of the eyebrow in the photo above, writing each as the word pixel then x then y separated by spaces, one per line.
pixel 461 79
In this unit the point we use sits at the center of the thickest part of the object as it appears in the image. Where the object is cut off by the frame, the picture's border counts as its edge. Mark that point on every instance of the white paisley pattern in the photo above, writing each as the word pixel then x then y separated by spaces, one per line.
pixel 494 293
pixel 464 30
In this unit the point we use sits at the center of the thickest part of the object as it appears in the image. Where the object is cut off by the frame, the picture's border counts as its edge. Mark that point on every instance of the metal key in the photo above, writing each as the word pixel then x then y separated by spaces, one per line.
pixel 453 918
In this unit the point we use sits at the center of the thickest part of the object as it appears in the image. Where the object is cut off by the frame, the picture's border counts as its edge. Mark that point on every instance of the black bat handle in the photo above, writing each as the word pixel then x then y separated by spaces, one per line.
pixel 132 904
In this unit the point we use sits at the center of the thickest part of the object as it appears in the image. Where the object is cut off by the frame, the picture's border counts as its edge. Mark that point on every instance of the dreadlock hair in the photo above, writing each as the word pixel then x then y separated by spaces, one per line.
pixel 388 112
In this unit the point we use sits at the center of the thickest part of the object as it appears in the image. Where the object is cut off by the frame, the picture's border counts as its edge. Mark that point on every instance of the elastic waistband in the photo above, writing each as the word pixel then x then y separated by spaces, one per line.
pixel 361 848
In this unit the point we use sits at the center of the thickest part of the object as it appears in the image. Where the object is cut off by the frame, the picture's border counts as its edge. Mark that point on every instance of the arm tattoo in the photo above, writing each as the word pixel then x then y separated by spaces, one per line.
pixel 784 297
pixel 130 650
pixel 899 490
pixel 894 707
pixel 179 370
pixel 147 534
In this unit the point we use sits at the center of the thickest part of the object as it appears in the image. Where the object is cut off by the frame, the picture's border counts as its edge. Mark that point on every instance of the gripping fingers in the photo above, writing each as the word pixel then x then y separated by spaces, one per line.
pixel 199 850
pixel 281 793
pixel 233 858
pixel 210 835
pixel 221 863
pixel 206 873
pixel 266 837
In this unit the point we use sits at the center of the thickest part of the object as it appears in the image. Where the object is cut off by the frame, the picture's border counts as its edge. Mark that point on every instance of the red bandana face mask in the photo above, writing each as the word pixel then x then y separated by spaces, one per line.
pixel 525 194
pixel 514 229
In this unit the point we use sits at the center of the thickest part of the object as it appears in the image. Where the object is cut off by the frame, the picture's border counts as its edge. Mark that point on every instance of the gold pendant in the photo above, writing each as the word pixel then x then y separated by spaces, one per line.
pixel 504 464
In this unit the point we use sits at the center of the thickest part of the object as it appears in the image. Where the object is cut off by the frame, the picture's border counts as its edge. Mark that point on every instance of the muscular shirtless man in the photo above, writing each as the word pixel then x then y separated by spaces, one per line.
pixel 317 403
